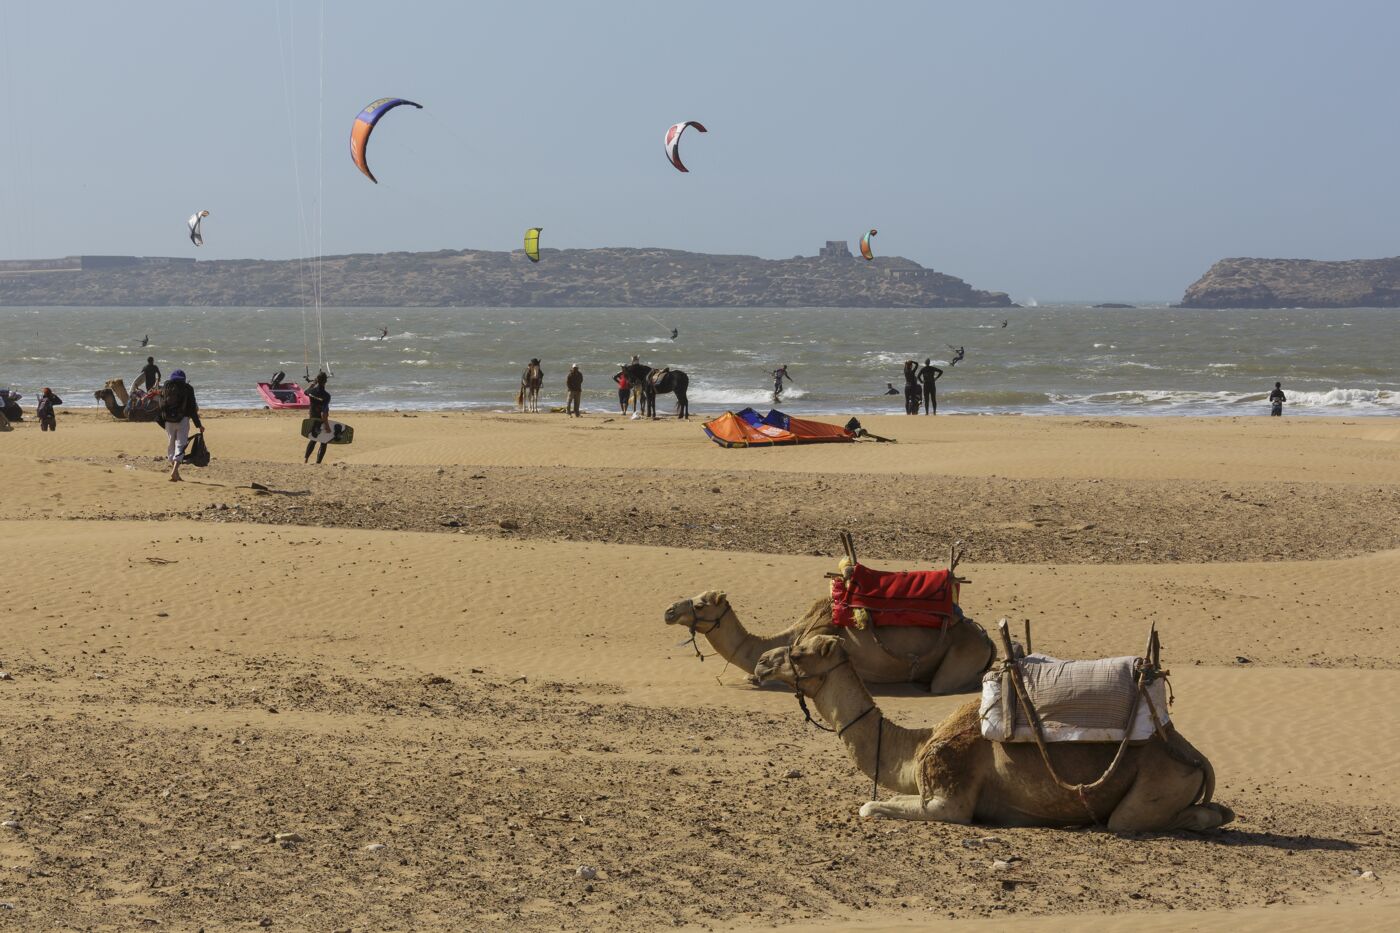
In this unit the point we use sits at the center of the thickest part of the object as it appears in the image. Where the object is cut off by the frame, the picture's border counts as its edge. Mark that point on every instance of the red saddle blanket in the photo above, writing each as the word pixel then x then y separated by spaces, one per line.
pixel 895 597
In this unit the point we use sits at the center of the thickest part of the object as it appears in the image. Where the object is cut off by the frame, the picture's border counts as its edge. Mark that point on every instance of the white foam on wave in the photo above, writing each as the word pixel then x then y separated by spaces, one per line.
pixel 1347 398
pixel 414 362
pixel 1188 402
pixel 707 395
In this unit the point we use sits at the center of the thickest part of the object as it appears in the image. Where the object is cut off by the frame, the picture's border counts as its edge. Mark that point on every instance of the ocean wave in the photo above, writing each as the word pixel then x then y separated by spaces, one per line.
pixel 413 362
pixel 706 395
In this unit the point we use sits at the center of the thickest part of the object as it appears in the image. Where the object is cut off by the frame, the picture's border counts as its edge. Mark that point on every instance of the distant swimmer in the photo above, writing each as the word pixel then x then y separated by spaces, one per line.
pixel 383 333
pixel 145 340
pixel 890 389
pixel 675 332
pixel 1276 400
pixel 779 375
pixel 957 354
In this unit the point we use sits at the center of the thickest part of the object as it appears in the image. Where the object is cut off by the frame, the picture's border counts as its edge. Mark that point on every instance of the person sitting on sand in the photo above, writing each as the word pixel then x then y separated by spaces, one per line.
pixel 178 409
pixel 1276 400
pixel 48 420
pixel 150 373
pixel 573 384
pixel 320 408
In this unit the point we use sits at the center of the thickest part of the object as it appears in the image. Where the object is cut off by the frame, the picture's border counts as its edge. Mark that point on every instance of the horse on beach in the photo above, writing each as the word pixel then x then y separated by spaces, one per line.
pixel 528 398
pixel 662 381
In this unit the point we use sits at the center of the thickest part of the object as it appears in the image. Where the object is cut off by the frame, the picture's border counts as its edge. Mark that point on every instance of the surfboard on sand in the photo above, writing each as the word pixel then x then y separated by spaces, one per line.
pixel 314 429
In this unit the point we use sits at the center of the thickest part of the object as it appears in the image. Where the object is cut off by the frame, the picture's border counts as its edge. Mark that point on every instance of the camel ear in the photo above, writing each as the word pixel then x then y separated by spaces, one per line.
pixel 825 645
pixel 710 598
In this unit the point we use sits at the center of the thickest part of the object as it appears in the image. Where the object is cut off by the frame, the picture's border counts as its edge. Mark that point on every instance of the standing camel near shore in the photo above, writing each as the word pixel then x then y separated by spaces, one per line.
pixel 952 774
pixel 528 398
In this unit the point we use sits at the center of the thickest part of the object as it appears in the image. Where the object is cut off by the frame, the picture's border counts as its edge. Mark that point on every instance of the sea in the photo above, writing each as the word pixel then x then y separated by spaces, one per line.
pixel 1062 359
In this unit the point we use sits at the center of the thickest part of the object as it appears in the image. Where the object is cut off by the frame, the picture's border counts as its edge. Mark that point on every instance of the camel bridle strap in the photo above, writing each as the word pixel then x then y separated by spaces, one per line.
pixel 695 621
pixel 840 731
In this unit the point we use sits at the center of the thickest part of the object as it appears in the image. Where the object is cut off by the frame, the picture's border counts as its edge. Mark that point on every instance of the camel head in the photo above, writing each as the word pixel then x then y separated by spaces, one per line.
pixel 803 666
pixel 706 609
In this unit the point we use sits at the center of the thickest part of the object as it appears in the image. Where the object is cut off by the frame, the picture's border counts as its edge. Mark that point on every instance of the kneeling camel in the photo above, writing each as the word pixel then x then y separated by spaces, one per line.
pixel 951 774
pixel 947 660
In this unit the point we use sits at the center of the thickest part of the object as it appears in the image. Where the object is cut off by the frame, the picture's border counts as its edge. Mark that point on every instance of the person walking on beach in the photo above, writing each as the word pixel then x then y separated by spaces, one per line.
pixel 1276 400
pixel 928 378
pixel 150 373
pixel 911 387
pixel 48 420
pixel 623 390
pixel 573 382
pixel 320 398
pixel 779 375
pixel 178 409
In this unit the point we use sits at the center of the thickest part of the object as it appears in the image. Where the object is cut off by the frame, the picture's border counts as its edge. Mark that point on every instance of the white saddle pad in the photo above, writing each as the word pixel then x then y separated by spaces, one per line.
pixel 1078 701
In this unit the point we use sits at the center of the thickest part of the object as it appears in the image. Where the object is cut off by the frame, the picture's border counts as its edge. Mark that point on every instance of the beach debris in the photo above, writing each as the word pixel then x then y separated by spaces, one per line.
pixel 1367 875
pixel 6 675
pixel 434 679
pixel 376 847
pixel 265 922
pixel 160 561
pixel 1241 659
pixel 11 824
pixel 586 872
pixel 983 841
pixel 287 838
pixel 1000 865
pixel 507 524
pixel 792 773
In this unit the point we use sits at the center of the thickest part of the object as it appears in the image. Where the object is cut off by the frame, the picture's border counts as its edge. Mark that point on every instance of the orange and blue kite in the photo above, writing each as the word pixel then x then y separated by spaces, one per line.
pixel 364 125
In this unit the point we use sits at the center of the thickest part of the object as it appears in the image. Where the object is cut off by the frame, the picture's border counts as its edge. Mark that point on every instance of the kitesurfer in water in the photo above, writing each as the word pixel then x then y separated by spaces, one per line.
pixel 145 340
pixel 675 332
pixel 1004 323
pixel 890 389
pixel 150 373
pixel 320 408
pixel 928 378
pixel 779 375
pixel 957 354
pixel 383 333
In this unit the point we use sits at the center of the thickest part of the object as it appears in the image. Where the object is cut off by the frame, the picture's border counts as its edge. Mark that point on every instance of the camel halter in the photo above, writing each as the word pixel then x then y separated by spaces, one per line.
pixel 695 621
pixel 840 731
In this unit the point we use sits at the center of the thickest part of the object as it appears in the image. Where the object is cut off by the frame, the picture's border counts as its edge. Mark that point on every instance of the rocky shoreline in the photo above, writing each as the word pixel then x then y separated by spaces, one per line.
pixel 1297 283
pixel 585 278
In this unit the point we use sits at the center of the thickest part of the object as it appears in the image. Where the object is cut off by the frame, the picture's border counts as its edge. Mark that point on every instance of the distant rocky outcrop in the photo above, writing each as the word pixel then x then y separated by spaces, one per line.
pixel 1297 283
pixel 1114 304
pixel 474 278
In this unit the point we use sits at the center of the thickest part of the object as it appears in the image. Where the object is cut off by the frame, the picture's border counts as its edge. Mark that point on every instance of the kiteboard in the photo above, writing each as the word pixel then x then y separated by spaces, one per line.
pixel 314 429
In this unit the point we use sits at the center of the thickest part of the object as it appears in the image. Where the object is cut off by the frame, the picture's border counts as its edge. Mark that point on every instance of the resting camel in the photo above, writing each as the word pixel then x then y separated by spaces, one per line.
pixel 113 394
pixel 528 398
pixel 951 774
pixel 946 660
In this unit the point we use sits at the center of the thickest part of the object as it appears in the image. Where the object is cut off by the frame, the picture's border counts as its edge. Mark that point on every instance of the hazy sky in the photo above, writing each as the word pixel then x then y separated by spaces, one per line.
pixel 1053 150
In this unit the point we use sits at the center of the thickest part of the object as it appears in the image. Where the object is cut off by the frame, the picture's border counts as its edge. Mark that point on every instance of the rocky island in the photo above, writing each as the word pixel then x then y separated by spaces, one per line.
pixel 613 277
pixel 1297 283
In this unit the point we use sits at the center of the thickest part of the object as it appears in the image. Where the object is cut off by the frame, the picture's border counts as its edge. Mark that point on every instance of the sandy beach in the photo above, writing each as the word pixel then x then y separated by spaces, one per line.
pixel 439 661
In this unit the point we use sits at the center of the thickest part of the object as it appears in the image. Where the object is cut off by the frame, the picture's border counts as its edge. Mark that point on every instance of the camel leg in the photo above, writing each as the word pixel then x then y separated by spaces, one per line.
pixel 914 807
pixel 963 665
pixel 1163 797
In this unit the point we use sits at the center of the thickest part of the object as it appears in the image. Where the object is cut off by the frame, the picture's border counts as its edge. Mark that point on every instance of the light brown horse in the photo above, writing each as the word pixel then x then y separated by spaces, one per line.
pixel 528 398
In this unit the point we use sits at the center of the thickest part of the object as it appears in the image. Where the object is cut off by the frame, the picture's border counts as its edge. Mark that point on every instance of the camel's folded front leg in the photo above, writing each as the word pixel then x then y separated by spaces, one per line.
pixel 914 807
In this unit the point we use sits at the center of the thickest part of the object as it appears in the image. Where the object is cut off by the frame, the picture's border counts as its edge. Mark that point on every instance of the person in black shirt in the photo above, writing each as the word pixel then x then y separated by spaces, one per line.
pixel 48 421
pixel 320 408
pixel 150 372
pixel 911 387
pixel 928 378
pixel 1276 400
pixel 178 409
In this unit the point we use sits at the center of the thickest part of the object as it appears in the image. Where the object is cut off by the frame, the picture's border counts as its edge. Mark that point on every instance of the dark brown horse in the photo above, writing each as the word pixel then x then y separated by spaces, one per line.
pixel 528 398
pixel 660 381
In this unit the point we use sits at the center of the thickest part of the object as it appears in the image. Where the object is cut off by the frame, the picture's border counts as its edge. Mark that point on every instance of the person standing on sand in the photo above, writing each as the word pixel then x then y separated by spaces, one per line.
pixel 48 421
pixel 1276 400
pixel 573 382
pixel 620 377
pixel 320 408
pixel 911 387
pixel 178 409
pixel 928 377
pixel 150 372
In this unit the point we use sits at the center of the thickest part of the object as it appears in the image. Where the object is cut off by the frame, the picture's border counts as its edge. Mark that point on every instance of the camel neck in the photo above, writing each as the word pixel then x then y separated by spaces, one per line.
pixel 737 645
pixel 840 700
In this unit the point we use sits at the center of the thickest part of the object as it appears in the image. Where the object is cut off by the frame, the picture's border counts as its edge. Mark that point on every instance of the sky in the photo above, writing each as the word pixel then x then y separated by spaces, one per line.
pixel 1058 151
